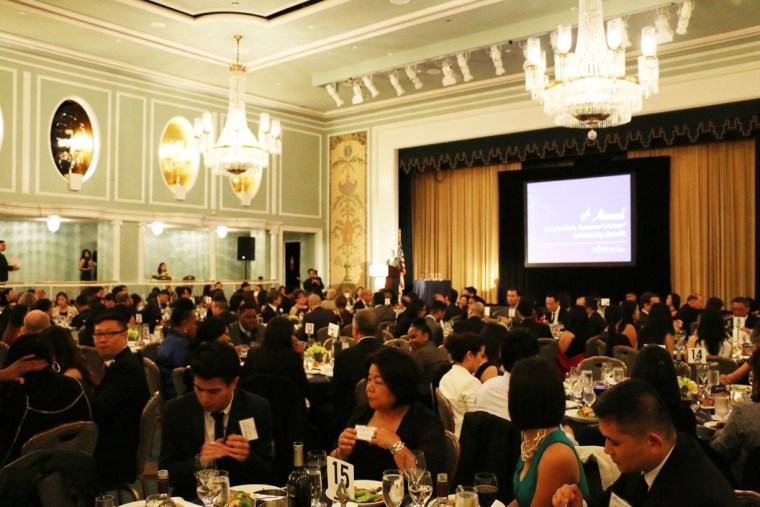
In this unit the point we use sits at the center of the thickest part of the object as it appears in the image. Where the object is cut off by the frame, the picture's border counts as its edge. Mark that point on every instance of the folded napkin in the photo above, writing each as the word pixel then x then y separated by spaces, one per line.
pixel 608 471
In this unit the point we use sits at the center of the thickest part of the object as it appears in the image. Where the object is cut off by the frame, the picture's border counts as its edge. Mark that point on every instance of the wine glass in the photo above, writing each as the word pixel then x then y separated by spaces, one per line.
pixel 589 396
pixel 487 487
pixel 208 488
pixel 308 362
pixel 315 478
pixel 222 478
pixel 414 466
pixel 204 467
pixel 319 458
pixel 577 391
pixel 104 501
pixel 722 407
pixel 421 490
pixel 393 488
pixel 607 374
pixel 702 372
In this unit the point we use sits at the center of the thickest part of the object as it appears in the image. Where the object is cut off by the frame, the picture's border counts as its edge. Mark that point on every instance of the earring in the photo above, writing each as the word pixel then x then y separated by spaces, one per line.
pixel 56 367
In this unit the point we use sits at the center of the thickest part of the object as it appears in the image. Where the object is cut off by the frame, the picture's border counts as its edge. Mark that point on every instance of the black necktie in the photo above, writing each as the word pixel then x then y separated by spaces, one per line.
pixel 641 491
pixel 218 424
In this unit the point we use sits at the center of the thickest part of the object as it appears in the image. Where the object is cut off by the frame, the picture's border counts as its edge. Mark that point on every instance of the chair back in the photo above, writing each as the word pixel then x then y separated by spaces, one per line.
pixel 628 355
pixel 150 350
pixel 750 478
pixel 178 378
pixel 382 326
pixel 348 331
pixel 399 343
pixel 360 392
pixel 453 451
pixel 592 346
pixel 726 365
pixel 73 436
pixel 748 498
pixel 548 348
pixel 328 344
pixel 152 375
pixel 387 336
pixel 596 363
pixel 322 335
pixel 94 361
pixel 683 369
pixel 3 353
pixel 391 327
pixel 444 410
pixel 147 430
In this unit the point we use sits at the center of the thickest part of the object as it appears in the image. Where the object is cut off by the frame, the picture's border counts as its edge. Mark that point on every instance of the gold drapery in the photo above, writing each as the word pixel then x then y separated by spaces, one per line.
pixel 712 217
pixel 456 227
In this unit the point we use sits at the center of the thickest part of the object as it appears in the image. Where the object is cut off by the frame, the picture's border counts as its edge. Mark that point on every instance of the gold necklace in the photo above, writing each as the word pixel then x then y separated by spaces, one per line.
pixel 528 448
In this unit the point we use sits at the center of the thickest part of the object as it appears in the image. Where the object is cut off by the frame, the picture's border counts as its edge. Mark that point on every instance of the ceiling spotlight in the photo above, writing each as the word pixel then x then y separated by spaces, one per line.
pixel 367 80
pixel 53 223
pixel 684 15
pixel 358 93
pixel 395 83
pixel 411 73
pixel 462 62
pixel 494 51
pixel 664 32
pixel 332 91
pixel 157 228
pixel 221 231
pixel 449 76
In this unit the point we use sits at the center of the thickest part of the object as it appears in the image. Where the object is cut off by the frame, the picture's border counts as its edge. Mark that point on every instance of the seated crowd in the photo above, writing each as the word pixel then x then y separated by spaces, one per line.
pixel 454 363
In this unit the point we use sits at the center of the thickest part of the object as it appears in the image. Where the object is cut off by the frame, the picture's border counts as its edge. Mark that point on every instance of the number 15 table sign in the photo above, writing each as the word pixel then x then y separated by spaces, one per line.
pixel 337 471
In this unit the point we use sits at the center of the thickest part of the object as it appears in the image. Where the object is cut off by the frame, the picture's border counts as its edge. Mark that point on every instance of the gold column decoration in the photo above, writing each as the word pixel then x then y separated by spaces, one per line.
pixel 348 211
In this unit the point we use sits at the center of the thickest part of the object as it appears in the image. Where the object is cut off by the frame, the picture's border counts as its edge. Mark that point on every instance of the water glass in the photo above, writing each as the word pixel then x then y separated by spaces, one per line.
pixel 421 490
pixel 607 374
pixel 589 396
pixel 618 374
pixel 204 467
pixel 587 377
pixel 315 476
pixel 393 488
pixel 713 378
pixel 487 487
pixel 222 479
pixel 466 496
pixel 104 501
pixel 722 407
pixel 209 488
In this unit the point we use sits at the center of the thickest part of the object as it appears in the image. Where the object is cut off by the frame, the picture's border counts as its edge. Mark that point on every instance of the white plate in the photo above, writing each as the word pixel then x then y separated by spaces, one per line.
pixel 570 404
pixel 572 414
pixel 363 484
pixel 178 500
pixel 252 488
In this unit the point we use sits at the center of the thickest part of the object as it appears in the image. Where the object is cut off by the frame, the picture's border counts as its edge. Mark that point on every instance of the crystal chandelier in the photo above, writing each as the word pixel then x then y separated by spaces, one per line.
pixel 238 151
pixel 590 87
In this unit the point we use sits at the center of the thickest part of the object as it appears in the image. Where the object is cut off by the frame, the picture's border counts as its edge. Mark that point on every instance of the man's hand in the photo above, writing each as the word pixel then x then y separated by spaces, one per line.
pixel 568 495
pixel 235 447
pixel 21 367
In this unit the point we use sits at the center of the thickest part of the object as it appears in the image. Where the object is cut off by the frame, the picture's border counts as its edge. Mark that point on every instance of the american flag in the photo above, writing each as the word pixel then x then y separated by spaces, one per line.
pixel 402 267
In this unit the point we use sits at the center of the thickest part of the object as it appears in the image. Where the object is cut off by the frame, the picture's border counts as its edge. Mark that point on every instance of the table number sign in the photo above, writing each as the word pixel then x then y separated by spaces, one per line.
pixel 309 328
pixel 697 355
pixel 333 330
pixel 337 471
pixel 487 311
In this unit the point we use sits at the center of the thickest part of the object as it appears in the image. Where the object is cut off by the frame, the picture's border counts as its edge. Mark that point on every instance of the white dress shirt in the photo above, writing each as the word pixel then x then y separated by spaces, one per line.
pixel 208 421
pixel 460 387
pixel 493 396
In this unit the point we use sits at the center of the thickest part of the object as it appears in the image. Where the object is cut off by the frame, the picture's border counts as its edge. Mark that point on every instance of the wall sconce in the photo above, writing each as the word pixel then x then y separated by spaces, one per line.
pixel 246 186
pixel 178 157
pixel 53 223
pixel 73 143
pixel 157 228
pixel 221 231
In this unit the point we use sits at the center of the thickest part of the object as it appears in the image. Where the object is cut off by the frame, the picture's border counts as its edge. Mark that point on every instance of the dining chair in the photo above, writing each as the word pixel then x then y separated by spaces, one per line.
pixel 328 344
pixel 152 375
pixel 148 421
pixel 444 410
pixel 178 378
pixel 348 331
pixel 399 343
pixel 322 334
pixel 73 436
pixel 94 361
pixel 548 348
pixel 150 350
pixel 596 363
pixel 592 346
pixel 453 451
pixel 360 392
pixel 628 355
pixel 3 352
pixel 387 335
pixel 748 498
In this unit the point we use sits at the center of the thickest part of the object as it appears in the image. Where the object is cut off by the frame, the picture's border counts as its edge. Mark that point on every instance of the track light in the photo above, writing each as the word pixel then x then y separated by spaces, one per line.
pixel 395 83
pixel 684 15
pixel 662 26
pixel 367 80
pixel 332 90
pixel 411 73
pixel 358 97
pixel 494 51
pixel 464 67
pixel 449 76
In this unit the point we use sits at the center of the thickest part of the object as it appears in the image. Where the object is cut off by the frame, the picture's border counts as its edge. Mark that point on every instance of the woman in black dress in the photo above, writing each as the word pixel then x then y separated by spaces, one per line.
pixel 86 266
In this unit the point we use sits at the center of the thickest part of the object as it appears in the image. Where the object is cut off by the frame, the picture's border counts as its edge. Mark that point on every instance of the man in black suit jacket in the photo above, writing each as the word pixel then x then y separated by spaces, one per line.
pixel 217 421
pixel 318 316
pixel 153 311
pixel 118 403
pixel 313 284
pixel 272 309
pixel 554 313
pixel 527 315
pixel 474 322
pixel 5 268
pixel 596 323
pixel 660 466
pixel 351 365
pixel 243 330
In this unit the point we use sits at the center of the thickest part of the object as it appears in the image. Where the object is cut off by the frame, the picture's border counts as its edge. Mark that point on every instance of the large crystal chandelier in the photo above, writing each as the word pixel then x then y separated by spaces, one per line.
pixel 590 87
pixel 238 151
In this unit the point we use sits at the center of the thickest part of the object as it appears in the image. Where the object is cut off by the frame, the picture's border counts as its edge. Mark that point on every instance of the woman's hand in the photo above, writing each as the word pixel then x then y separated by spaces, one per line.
pixel 346 443
pixel 384 438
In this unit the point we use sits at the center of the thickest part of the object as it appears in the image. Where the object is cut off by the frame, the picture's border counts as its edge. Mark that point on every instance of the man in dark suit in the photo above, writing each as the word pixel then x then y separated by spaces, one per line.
pixel 596 323
pixel 272 309
pixel 351 364
pixel 313 284
pixel 474 320
pixel 527 315
pixel 383 312
pixel 243 331
pixel 660 466
pixel 318 316
pixel 436 310
pixel 153 311
pixel 554 314
pixel 118 403
pixel 646 302
pixel 217 421
pixel 740 310
pixel 452 310
pixel 365 301
pixel 5 268
pixel 690 311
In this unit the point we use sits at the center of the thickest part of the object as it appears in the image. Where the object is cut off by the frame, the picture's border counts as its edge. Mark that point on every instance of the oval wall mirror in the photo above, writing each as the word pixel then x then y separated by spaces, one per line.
pixel 178 157
pixel 73 142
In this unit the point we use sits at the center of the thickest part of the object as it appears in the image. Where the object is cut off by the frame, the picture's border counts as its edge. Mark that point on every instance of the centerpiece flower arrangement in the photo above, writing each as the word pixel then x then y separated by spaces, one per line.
pixel 132 334
pixel 687 386
pixel 318 351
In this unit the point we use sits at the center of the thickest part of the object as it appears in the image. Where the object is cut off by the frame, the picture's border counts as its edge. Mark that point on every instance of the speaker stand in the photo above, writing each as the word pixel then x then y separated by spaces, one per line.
pixel 247 266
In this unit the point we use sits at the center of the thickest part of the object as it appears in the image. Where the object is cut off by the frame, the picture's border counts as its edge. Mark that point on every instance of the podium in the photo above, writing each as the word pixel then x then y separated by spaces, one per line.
pixel 392 279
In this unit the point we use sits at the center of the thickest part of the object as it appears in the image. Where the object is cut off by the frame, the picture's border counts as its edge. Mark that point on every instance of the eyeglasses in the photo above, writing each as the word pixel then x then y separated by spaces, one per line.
pixel 107 334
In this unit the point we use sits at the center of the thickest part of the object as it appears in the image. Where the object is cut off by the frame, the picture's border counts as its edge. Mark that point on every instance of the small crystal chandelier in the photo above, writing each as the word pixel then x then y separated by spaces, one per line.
pixel 590 88
pixel 238 151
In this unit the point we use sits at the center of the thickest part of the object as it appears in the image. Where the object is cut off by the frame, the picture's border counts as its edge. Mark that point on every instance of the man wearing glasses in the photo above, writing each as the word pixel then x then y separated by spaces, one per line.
pixel 118 403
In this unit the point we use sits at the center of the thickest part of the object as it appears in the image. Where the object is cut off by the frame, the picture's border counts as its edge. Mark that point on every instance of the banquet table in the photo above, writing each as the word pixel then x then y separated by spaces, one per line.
pixel 426 288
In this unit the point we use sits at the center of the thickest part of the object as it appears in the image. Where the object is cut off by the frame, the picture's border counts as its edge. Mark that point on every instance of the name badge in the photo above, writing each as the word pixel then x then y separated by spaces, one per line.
pixel 248 429
pixel 616 501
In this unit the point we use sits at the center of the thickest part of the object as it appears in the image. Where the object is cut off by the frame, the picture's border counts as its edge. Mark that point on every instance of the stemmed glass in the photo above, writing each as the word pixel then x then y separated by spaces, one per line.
pixel 204 467
pixel 222 478
pixel 587 377
pixel 607 374
pixel 421 490
pixel 208 487
pixel 104 501
pixel 487 487
pixel 414 466
pixel 589 396
pixel 308 362
pixel 315 478
pixel 393 488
